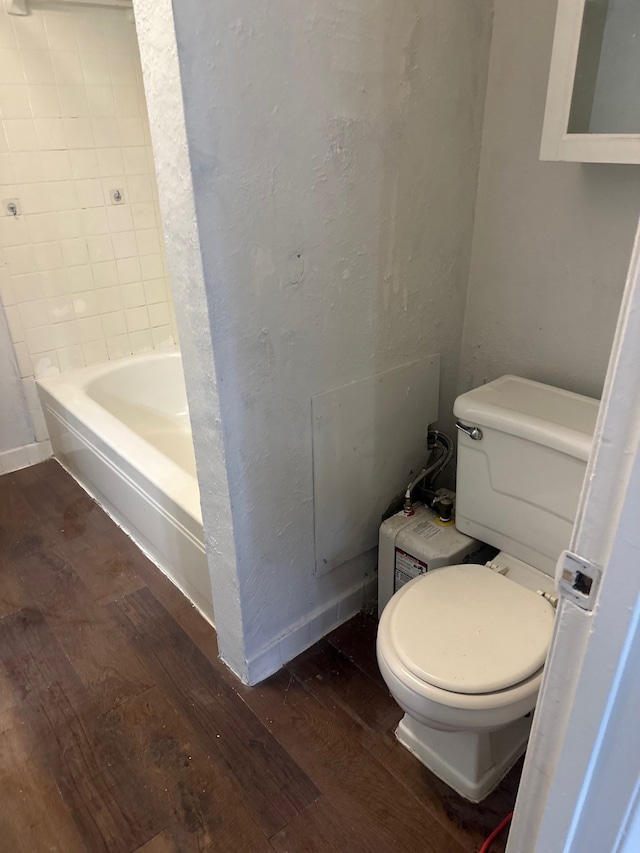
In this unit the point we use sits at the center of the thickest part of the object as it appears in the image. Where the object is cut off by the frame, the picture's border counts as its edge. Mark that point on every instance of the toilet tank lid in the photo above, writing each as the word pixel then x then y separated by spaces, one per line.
pixel 531 410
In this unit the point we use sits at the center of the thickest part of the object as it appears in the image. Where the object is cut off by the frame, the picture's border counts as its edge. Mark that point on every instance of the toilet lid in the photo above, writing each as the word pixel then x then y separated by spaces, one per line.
pixel 467 629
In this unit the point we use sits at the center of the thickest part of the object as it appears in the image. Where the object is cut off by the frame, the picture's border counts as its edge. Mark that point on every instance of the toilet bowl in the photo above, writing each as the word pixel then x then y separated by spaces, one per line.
pixel 462 648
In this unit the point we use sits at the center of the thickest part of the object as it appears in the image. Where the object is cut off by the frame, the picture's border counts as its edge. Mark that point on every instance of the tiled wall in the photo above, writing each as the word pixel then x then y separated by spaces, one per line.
pixel 83 280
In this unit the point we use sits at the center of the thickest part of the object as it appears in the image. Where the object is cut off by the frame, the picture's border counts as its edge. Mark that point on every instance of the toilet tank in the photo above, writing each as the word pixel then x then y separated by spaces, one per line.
pixel 518 485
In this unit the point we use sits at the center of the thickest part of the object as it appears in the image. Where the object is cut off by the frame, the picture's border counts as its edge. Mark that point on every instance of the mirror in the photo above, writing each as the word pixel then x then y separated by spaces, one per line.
pixel 592 113
pixel 606 88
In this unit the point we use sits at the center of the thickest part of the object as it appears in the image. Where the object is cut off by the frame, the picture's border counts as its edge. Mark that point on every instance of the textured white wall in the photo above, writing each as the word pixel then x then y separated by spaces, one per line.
pixel 156 35
pixel 552 241
pixel 334 151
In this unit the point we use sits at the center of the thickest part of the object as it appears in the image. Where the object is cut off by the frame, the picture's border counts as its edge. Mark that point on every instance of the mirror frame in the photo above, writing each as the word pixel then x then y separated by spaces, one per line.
pixel 556 143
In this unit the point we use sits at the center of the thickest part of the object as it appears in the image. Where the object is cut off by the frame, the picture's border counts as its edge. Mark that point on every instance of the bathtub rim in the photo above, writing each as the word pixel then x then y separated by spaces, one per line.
pixel 67 390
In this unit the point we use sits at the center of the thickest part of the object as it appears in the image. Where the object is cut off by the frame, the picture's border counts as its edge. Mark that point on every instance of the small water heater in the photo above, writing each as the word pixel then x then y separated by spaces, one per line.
pixel 412 545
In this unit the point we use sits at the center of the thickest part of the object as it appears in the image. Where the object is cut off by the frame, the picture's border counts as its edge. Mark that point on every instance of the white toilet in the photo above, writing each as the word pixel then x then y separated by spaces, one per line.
pixel 462 648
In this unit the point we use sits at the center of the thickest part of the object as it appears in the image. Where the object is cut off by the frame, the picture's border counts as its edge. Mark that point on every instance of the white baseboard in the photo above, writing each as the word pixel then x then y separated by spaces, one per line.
pixel 301 636
pixel 22 457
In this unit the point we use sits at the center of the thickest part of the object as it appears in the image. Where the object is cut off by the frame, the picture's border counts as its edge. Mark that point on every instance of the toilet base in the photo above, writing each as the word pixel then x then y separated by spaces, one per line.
pixel 472 763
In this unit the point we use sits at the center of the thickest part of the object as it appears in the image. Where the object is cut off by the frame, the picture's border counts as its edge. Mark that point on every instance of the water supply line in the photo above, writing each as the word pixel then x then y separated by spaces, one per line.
pixel 437 441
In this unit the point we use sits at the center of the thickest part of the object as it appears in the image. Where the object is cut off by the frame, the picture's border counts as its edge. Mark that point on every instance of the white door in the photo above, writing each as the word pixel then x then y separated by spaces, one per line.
pixel 580 785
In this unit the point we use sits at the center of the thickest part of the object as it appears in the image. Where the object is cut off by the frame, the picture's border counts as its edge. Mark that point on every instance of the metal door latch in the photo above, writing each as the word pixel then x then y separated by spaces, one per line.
pixel 578 579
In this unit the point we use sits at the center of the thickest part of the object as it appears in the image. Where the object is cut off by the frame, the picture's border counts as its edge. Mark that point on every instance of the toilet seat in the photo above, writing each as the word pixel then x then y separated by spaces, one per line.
pixel 465 629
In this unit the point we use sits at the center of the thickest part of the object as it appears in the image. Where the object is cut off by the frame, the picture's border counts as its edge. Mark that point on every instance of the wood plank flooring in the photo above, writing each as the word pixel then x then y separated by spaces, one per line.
pixel 120 730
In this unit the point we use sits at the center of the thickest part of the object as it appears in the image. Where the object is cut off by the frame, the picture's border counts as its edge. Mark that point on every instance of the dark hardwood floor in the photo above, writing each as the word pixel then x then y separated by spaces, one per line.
pixel 120 730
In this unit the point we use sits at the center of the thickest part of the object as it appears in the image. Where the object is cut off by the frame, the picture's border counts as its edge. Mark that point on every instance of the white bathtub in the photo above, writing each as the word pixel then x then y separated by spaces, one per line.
pixel 122 429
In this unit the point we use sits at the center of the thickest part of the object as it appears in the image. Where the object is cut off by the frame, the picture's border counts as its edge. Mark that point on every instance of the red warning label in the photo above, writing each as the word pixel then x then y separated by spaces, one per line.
pixel 407 568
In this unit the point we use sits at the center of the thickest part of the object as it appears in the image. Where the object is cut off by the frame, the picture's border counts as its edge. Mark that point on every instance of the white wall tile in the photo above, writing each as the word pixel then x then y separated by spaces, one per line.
pixel 28 287
pixel 64 199
pixel 141 341
pixel 54 282
pixel 95 221
pixel 100 248
pixel 14 323
pixel 129 270
pixel 84 163
pixel 119 217
pixel 114 323
pixel 95 69
pixel 70 358
pixel 73 101
pixel 79 278
pixel 151 267
pixel 37 67
pixel 82 280
pixel 66 334
pixel 48 255
pixel 21 134
pixel 90 329
pixel 110 161
pixel 56 165
pixel 78 132
pixel 67 69
pixel 101 101
pixel 162 336
pixel 24 360
pixel 90 34
pixel 137 318
pixel 60 308
pixel 74 252
pixel 148 241
pixel 105 132
pixel 118 346
pixel 95 352
pixel 131 131
pixel 6 169
pixel 7 293
pixel 159 314
pixel 140 189
pixel 61 32
pixel 11 67
pixel 90 193
pixel 85 304
pixel 133 295
pixel 39 340
pixel 72 223
pixel 105 274
pixel 20 259
pixel 35 198
pixel 46 364
pixel 41 227
pixel 127 101
pixel 109 300
pixel 27 167
pixel 50 134
pixel 13 231
pixel 136 163
pixel 7 35
pixel 124 244
pixel 144 215
pixel 44 101
pixel 123 69
pixel 31 34
pixel 33 314
pixel 14 102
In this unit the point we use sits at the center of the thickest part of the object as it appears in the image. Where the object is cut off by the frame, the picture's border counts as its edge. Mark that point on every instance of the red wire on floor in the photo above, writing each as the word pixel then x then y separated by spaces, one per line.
pixel 496 832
